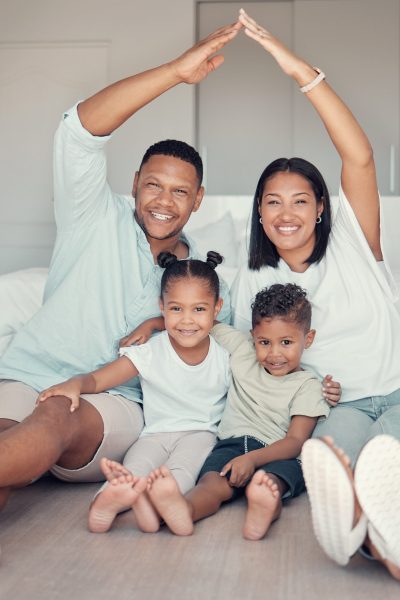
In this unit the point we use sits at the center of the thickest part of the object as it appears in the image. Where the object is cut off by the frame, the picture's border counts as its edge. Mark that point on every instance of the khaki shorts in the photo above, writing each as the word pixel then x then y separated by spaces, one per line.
pixel 122 418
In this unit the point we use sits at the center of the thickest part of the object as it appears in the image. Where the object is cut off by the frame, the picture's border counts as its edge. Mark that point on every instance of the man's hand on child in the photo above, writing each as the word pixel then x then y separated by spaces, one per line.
pixel 331 390
pixel 70 389
pixel 241 470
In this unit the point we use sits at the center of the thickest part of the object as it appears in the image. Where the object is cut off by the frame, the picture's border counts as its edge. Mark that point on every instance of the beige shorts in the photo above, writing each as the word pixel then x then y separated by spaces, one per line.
pixel 122 419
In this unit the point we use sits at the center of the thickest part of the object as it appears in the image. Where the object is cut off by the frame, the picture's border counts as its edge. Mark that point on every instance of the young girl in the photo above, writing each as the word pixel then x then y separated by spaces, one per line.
pixel 184 375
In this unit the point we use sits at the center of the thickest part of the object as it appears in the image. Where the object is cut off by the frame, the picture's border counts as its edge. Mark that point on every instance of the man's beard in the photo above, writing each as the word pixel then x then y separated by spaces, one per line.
pixel 142 226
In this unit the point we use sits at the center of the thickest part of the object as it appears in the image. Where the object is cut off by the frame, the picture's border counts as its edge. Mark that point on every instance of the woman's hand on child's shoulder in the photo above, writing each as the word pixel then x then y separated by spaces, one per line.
pixel 143 332
pixel 140 335
pixel 70 389
pixel 331 390
pixel 241 469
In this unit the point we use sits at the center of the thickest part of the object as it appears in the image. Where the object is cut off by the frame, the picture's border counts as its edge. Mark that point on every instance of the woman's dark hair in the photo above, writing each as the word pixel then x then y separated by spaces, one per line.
pixel 181 269
pixel 288 302
pixel 262 252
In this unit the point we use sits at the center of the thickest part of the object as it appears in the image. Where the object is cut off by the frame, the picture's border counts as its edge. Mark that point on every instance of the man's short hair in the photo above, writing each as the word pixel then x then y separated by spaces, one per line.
pixel 177 149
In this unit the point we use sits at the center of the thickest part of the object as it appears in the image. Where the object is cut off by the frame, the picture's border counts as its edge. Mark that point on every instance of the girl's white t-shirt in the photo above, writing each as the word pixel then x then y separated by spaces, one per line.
pixel 178 396
pixel 353 312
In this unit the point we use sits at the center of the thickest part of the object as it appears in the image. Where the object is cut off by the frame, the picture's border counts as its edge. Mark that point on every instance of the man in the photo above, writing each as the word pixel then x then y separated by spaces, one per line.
pixel 103 279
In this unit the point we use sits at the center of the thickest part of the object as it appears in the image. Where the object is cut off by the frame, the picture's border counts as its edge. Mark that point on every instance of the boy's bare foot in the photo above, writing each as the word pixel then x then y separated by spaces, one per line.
pixel 264 506
pixel 112 469
pixel 120 494
pixel 169 502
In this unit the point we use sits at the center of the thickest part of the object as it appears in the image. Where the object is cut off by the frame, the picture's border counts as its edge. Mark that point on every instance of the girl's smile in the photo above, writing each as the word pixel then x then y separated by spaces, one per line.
pixel 189 309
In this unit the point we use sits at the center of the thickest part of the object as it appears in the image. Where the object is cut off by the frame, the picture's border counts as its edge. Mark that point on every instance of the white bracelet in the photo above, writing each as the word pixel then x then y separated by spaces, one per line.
pixel 314 82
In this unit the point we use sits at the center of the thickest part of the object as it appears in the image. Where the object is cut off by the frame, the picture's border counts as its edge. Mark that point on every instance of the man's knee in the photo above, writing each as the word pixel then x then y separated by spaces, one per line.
pixel 7 424
pixel 56 410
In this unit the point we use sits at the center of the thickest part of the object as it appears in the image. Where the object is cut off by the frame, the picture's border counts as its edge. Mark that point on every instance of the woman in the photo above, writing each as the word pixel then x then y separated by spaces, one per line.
pixel 338 261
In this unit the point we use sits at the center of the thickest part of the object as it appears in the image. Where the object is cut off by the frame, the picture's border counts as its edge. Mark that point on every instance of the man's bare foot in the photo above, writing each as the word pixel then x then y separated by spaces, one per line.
pixel 169 502
pixel 264 506
pixel 119 495
pixel 112 469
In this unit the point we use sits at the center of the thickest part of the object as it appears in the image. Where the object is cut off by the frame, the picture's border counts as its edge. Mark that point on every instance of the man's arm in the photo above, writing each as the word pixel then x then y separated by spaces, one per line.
pixel 104 112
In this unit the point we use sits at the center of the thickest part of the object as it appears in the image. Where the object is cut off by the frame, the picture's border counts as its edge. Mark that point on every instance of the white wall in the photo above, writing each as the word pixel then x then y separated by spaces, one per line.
pixel 83 45
pixel 140 35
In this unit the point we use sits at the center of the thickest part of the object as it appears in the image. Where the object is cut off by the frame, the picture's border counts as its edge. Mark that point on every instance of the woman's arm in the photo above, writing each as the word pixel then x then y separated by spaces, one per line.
pixel 143 332
pixel 243 467
pixel 358 166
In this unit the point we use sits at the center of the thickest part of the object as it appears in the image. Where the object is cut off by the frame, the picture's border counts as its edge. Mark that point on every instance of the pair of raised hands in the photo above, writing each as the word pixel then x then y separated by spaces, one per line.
pixel 196 63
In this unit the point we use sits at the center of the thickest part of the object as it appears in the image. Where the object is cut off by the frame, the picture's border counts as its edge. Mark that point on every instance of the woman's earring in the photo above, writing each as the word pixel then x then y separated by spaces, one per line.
pixel 260 219
pixel 318 221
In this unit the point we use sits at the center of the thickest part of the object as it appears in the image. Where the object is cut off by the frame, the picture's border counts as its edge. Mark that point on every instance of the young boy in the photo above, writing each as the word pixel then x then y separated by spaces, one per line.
pixel 271 410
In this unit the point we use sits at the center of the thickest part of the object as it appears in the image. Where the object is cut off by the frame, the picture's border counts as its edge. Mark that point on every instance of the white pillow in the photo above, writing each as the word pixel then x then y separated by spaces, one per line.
pixel 219 236
pixel 21 295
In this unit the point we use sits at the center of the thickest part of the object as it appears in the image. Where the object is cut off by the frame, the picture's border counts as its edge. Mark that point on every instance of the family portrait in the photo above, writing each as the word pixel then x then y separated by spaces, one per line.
pixel 183 413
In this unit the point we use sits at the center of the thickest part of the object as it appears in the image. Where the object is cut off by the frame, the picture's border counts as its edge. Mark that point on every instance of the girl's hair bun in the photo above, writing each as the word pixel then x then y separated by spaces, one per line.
pixel 166 259
pixel 214 259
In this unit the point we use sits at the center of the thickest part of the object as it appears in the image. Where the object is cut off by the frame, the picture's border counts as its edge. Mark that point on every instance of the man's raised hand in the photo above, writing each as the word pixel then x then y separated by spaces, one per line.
pixel 196 63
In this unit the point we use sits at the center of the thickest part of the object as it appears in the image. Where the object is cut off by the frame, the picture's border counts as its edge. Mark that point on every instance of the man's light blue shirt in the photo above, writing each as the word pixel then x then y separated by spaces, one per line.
pixel 102 281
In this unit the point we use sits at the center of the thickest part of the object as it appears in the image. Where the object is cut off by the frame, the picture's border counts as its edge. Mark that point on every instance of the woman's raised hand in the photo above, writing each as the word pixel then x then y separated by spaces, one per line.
pixel 291 64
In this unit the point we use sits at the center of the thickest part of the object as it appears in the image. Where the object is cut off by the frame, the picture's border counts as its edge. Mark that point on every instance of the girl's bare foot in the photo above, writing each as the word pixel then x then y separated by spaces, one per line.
pixel 119 495
pixel 264 506
pixel 147 518
pixel 112 469
pixel 169 502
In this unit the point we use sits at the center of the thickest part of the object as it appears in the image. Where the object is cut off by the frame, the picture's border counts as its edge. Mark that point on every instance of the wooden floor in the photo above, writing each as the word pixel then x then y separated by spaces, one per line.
pixel 48 553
